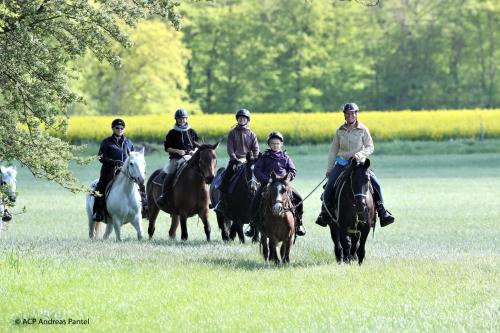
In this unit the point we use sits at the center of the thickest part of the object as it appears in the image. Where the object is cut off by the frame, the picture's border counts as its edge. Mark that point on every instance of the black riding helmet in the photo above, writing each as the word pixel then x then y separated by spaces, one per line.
pixel 350 107
pixel 243 113
pixel 275 135
pixel 118 122
pixel 180 113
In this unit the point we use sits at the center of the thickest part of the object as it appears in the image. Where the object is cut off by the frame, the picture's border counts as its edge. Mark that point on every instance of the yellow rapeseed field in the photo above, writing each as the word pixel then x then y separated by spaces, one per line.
pixel 303 127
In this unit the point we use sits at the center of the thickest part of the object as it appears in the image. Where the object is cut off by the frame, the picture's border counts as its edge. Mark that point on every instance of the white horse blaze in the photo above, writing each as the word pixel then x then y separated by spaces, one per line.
pixel 277 207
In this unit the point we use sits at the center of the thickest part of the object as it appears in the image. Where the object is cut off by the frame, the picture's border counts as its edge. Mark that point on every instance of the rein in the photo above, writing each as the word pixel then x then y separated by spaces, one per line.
pixel 307 196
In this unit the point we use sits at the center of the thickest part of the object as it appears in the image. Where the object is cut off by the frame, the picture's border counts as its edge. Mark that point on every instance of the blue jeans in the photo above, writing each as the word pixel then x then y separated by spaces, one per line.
pixel 335 173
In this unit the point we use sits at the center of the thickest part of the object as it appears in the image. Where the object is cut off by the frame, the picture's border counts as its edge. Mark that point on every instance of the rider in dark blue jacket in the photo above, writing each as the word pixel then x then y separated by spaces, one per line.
pixel 112 153
pixel 277 161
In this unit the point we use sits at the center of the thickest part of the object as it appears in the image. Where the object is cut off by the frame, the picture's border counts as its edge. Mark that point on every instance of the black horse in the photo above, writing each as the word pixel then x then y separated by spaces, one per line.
pixel 356 213
pixel 239 201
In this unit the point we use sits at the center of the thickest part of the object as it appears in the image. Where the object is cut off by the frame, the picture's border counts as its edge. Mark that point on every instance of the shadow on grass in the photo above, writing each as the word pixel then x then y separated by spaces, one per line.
pixel 260 264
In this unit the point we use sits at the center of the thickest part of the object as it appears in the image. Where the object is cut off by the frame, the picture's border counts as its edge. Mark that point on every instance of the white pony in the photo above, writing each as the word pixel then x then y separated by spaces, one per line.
pixel 123 201
pixel 7 192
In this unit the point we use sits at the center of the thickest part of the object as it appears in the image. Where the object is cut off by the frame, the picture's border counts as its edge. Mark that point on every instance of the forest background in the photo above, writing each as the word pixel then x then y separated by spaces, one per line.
pixel 303 56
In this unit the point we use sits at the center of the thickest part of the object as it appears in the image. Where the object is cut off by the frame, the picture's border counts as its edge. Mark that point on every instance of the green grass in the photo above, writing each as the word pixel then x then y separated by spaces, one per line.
pixel 436 269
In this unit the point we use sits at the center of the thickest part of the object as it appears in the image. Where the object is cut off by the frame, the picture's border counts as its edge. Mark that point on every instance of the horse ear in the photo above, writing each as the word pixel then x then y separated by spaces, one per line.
pixel 197 145
pixel 128 151
pixel 354 162
pixel 215 146
pixel 273 176
pixel 2 169
pixel 367 163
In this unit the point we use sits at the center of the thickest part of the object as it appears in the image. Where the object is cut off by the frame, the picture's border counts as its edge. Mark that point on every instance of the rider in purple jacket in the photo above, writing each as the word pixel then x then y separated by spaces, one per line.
pixel 276 160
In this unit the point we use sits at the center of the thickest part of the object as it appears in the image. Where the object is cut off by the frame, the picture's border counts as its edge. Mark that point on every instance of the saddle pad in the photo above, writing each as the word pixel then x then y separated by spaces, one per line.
pixel 234 179
pixel 218 179
pixel 159 178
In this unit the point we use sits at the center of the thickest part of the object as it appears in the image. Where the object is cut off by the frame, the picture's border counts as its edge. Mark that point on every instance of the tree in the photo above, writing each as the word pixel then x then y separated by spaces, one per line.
pixel 152 79
pixel 38 42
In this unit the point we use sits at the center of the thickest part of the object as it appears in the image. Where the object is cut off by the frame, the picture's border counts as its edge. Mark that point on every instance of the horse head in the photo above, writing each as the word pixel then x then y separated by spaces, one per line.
pixel 207 161
pixel 360 185
pixel 135 166
pixel 8 182
pixel 278 190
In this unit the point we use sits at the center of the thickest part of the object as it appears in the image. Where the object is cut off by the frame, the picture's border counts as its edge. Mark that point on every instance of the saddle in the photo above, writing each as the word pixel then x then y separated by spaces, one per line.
pixel 234 179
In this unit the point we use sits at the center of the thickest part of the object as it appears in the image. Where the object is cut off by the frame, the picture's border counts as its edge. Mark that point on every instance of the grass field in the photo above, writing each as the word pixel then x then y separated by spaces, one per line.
pixel 436 269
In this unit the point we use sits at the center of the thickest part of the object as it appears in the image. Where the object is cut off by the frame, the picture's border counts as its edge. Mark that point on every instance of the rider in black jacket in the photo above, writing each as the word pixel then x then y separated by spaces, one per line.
pixel 112 153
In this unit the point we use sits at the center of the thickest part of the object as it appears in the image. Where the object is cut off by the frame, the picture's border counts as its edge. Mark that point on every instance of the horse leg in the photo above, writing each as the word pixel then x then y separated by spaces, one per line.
pixel 239 231
pixel 92 226
pixel 206 224
pixel 109 228
pixel 233 231
pixel 138 226
pixel 345 241
pixel 336 243
pixel 174 223
pixel 274 251
pixel 153 211
pixel 288 246
pixel 354 246
pixel 265 248
pixel 362 242
pixel 117 227
pixel 184 230
pixel 224 229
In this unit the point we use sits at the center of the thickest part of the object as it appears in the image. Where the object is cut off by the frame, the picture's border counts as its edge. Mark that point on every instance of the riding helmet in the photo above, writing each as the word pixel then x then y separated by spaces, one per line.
pixel 350 107
pixel 180 113
pixel 243 113
pixel 118 122
pixel 275 135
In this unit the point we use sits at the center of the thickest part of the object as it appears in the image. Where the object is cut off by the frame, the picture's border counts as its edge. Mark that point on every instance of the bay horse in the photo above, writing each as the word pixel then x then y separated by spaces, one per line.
pixel 239 201
pixel 356 213
pixel 7 192
pixel 189 195
pixel 123 201
pixel 278 223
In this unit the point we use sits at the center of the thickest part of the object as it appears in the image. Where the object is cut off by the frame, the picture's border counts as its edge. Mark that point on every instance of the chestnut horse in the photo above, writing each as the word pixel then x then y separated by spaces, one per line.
pixel 189 195
pixel 356 213
pixel 278 223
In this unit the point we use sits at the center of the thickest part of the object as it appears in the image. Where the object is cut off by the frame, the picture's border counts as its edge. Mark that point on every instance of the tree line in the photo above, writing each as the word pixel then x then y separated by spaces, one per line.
pixel 305 56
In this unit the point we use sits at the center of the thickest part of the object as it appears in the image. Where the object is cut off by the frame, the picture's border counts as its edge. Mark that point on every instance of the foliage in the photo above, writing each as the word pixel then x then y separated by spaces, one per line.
pixel 151 80
pixel 304 127
pixel 38 39
pixel 295 55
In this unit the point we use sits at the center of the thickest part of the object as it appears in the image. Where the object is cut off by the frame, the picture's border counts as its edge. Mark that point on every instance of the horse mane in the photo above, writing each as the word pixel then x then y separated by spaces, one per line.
pixel 196 156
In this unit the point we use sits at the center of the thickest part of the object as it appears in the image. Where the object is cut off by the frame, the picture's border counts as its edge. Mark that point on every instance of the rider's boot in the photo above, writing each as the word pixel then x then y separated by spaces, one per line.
pixel 385 216
pixel 98 215
pixel 162 199
pixel 300 230
pixel 323 218
pixel 221 205
pixel 6 216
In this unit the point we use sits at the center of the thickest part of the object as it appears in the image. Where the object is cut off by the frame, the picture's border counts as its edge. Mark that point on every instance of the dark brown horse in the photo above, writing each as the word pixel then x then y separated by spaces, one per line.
pixel 356 213
pixel 239 201
pixel 278 223
pixel 189 195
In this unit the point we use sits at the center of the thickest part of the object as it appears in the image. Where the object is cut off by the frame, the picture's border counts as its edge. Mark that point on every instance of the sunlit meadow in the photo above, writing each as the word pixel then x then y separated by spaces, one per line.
pixel 435 269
